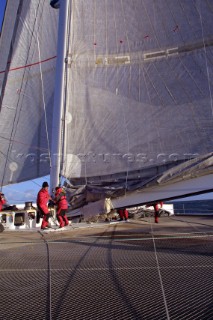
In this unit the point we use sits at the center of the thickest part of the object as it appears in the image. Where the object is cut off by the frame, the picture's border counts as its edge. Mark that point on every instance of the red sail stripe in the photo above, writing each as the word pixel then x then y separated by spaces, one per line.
pixel 29 65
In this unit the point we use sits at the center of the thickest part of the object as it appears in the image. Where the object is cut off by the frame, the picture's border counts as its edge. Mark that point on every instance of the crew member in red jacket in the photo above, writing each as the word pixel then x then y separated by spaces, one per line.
pixel 42 203
pixel 157 206
pixel 2 200
pixel 62 206
pixel 123 214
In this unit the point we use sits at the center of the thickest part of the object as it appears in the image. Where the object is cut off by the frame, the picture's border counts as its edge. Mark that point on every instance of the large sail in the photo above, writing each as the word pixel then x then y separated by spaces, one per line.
pixel 27 74
pixel 139 91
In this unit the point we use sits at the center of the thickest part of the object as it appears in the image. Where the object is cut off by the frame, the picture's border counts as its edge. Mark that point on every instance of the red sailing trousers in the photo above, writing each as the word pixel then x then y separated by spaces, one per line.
pixel 62 218
pixel 123 213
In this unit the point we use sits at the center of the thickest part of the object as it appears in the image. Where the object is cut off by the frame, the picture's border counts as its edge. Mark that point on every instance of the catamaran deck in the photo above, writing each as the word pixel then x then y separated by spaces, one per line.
pixel 134 270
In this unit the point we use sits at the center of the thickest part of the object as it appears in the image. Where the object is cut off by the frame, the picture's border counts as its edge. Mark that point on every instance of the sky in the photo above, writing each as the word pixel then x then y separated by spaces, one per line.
pixel 27 191
pixel 2 7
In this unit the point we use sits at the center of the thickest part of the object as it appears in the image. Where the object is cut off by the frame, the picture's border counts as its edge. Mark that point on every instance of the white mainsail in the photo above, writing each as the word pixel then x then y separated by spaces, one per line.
pixel 138 93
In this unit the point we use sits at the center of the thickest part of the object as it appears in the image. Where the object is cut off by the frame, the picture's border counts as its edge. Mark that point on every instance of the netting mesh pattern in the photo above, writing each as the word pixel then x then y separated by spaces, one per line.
pixel 118 272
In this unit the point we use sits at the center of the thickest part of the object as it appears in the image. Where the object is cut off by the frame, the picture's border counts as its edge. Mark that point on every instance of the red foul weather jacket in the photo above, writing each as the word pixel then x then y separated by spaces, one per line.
pixel 2 201
pixel 42 200
pixel 61 199
pixel 158 205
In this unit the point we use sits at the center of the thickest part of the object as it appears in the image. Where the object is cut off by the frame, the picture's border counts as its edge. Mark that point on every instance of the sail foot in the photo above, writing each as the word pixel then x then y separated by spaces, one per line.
pixel 81 195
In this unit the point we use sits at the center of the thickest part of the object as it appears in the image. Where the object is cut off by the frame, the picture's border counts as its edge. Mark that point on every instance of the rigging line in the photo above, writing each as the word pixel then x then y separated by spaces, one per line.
pixel 49 275
pixel 44 104
pixel 207 68
pixel 159 273
pixel 29 65
pixel 36 183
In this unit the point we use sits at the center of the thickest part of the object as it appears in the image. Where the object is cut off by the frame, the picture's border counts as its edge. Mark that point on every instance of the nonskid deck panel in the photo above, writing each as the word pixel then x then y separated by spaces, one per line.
pixel 135 270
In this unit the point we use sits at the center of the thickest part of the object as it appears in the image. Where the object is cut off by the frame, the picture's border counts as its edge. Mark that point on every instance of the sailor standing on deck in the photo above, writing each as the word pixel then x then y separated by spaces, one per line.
pixel 62 206
pixel 42 203
pixel 2 200
pixel 157 206
pixel 156 209
pixel 123 214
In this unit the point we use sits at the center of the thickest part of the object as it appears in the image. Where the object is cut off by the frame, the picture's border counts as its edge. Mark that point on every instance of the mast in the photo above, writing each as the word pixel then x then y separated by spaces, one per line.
pixel 59 94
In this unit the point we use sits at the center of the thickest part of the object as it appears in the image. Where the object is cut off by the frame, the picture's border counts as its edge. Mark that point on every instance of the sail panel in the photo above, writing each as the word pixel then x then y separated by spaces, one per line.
pixel 27 90
pixel 139 87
